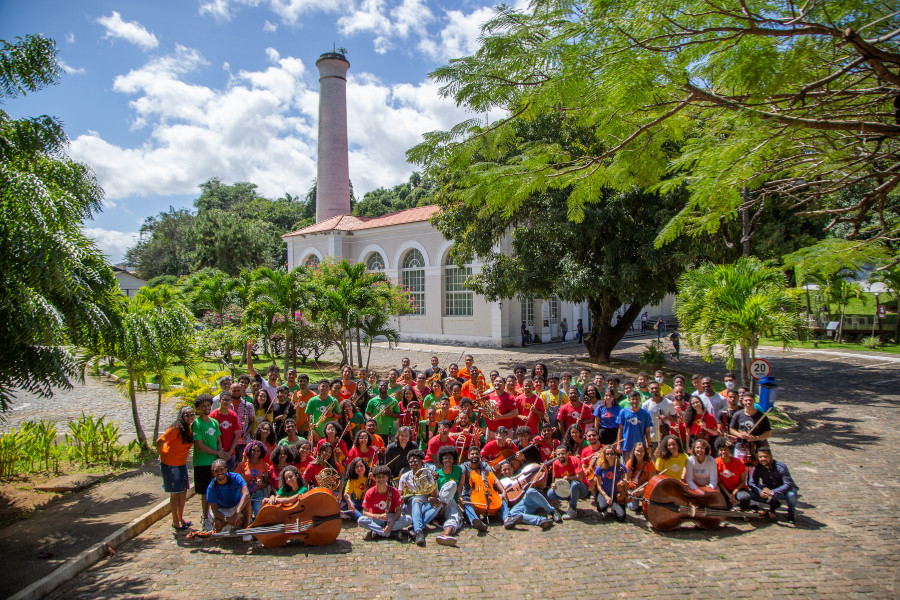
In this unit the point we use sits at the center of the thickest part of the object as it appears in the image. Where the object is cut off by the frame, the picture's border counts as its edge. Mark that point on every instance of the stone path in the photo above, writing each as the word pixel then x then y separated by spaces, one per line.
pixel 844 545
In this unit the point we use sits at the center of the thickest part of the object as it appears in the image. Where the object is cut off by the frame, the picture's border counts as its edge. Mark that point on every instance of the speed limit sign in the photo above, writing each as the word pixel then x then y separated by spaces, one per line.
pixel 760 368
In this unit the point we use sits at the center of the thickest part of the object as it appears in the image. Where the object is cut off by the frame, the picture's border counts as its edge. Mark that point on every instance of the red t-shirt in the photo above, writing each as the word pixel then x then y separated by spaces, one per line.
pixel 435 444
pixel 504 404
pixel 708 420
pixel 547 448
pixel 730 473
pixel 492 450
pixel 526 404
pixel 569 415
pixel 368 455
pixel 386 503
pixel 466 435
pixel 572 467
pixel 347 390
pixel 228 424
pixel 342 447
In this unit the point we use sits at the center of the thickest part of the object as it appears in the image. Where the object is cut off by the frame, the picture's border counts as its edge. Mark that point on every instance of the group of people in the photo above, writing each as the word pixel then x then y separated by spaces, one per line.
pixel 458 446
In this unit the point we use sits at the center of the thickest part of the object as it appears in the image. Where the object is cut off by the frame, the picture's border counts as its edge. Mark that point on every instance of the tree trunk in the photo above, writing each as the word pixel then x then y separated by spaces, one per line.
pixel 132 395
pixel 840 334
pixel 745 222
pixel 746 379
pixel 369 355
pixel 294 348
pixel 603 337
pixel 358 347
pixel 159 395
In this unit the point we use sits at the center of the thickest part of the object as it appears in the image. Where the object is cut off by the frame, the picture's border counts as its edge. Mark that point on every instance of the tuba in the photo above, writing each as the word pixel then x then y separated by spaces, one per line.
pixel 423 483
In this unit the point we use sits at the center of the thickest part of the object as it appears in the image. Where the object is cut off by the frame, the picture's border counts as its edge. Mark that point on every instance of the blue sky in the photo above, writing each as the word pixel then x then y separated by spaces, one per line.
pixel 160 96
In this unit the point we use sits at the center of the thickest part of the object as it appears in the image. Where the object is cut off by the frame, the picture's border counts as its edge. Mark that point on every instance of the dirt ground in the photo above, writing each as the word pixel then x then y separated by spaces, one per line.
pixel 19 500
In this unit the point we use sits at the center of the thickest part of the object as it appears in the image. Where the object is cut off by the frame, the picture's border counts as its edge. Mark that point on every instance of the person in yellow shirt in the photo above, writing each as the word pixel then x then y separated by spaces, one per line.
pixel 670 458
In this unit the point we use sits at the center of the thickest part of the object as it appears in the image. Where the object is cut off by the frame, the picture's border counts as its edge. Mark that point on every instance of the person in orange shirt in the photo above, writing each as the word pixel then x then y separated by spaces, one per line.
pixel 348 386
pixel 473 390
pixel 465 372
pixel 173 447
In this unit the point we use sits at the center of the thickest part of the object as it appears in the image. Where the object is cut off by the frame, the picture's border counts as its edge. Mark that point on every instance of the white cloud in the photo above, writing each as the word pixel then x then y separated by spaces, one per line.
pixel 409 18
pixel 272 55
pixel 459 35
pixel 259 126
pixel 270 27
pixel 112 243
pixel 130 31
pixel 290 11
pixel 70 38
pixel 71 70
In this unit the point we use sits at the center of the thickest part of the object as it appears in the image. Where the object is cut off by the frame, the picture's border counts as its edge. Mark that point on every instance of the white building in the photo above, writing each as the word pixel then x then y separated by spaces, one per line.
pixel 411 251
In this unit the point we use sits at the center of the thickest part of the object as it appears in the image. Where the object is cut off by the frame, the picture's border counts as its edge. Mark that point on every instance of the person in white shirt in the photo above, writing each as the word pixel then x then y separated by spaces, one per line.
pixel 662 411
pixel 714 403
pixel 701 471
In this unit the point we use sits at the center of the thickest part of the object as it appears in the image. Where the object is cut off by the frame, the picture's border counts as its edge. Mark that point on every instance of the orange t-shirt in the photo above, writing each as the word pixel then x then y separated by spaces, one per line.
pixel 347 389
pixel 300 400
pixel 174 451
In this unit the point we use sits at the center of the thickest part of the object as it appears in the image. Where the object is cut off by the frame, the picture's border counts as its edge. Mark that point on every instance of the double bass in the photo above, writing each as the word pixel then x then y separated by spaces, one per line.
pixel 313 518
pixel 668 502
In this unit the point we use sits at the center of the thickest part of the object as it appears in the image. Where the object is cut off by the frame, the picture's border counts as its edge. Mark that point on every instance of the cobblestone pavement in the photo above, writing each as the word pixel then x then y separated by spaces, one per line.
pixel 844 459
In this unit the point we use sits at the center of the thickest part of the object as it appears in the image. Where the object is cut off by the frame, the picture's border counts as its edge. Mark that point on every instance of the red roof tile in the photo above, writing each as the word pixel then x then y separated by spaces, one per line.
pixel 352 223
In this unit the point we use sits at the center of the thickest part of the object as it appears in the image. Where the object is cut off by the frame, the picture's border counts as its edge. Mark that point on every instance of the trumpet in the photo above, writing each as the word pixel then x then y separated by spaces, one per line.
pixel 423 483
pixel 487 409
pixel 329 479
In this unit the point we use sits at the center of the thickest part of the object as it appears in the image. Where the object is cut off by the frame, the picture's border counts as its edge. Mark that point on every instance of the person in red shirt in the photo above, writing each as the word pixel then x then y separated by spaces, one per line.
pixel 546 443
pixel 705 427
pixel 569 468
pixel 574 412
pixel 362 448
pixel 441 439
pixel 498 449
pixel 505 407
pixel 530 406
pixel 229 425
pixel 519 373
pixel 377 440
pixel 382 508
pixel 470 434
pixel 732 476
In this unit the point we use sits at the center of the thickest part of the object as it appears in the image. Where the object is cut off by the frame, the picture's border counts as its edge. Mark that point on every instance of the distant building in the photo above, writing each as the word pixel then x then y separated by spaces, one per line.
pixel 411 251
pixel 128 283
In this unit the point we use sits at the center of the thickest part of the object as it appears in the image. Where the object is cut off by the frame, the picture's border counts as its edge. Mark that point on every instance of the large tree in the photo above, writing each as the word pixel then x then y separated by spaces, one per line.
pixel 533 248
pixel 166 245
pixel 57 288
pixel 744 102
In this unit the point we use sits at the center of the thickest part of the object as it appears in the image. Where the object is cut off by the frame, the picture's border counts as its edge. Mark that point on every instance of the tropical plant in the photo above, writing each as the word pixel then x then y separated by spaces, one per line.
pixel 280 295
pixel 193 385
pixel 378 326
pixel 57 289
pixel 162 295
pixel 211 290
pixel 733 305
pixel 653 355
pixel 92 439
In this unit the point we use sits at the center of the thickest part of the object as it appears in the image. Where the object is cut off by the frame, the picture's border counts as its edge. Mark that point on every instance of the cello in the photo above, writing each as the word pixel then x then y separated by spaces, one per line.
pixel 313 518
pixel 484 498
pixel 668 502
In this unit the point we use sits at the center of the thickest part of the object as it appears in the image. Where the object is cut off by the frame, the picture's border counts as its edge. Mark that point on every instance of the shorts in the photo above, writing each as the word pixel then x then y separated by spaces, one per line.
pixel 175 479
pixel 202 478
pixel 228 512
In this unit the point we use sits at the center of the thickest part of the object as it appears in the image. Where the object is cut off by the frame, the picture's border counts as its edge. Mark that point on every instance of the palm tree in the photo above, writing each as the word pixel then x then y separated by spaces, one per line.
pixel 733 305
pixel 162 295
pixel 213 292
pixel 375 326
pixel 282 294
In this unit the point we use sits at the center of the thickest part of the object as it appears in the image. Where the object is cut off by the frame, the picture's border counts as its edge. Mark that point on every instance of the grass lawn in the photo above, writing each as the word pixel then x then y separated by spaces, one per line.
pixel 886 348
pixel 315 371
pixel 866 306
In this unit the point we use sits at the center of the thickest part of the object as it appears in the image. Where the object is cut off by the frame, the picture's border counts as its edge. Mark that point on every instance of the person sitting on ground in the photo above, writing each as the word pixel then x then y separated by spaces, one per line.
pixel 609 473
pixel 382 508
pixel 357 484
pixel 732 476
pixel 771 483
pixel 290 485
pixel 671 460
pixel 701 473
pixel 532 502
pixel 476 474
pixel 228 498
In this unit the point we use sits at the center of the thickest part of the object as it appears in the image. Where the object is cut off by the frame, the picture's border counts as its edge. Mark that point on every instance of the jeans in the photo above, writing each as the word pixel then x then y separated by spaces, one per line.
pixel 471 515
pixel 791 496
pixel 256 500
pixel 602 505
pixel 743 499
pixel 529 505
pixel 578 491
pixel 564 334
pixel 423 513
pixel 376 526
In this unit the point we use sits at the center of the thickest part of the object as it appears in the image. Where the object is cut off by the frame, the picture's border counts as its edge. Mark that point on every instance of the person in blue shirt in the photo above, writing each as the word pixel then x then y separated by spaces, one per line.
pixel 228 498
pixel 606 418
pixel 634 426
pixel 771 484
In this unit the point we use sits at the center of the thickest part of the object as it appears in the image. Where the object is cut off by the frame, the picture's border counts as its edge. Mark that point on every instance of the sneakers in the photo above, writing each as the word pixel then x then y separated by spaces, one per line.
pixel 557 516
pixel 420 538
pixel 247 538
pixel 546 524
pixel 479 525
pixel 207 524
pixel 792 518
pixel 446 540
pixel 570 514
pixel 400 536
pixel 369 536
pixel 512 521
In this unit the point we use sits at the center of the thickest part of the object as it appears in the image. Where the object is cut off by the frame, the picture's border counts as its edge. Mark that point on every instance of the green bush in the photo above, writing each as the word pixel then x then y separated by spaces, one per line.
pixel 871 342
pixel 653 355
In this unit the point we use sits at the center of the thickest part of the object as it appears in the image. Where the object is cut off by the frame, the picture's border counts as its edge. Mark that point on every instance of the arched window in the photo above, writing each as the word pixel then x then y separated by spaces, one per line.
pixel 457 298
pixel 312 261
pixel 412 275
pixel 375 262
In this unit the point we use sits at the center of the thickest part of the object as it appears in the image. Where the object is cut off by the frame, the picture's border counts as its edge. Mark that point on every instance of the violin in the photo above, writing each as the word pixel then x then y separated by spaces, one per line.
pixel 314 519
pixel 667 503
pixel 517 485
pixel 510 457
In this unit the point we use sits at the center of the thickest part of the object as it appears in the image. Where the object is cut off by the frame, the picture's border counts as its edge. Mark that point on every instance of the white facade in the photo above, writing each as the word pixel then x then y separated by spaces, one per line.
pixel 128 283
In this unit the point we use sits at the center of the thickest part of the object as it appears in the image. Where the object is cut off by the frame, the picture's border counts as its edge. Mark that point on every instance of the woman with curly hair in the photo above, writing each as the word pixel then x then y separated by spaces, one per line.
pixel 573 440
pixel 258 474
pixel 290 485
pixel 671 460
pixel 265 434
pixel 357 484
pixel 173 446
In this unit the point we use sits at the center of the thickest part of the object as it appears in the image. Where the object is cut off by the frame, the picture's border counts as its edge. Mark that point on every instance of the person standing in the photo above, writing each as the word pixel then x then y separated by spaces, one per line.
pixel 321 409
pixel 564 329
pixel 207 449
pixel 644 319
pixel 634 425
pixel 300 398
pixel 173 446
pixel 230 427
pixel 675 338
pixel 579 331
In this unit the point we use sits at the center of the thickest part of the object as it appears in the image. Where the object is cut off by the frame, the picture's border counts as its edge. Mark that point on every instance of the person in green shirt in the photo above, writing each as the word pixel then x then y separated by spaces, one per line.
pixel 394 385
pixel 290 486
pixel 628 386
pixel 384 409
pixel 291 438
pixel 448 480
pixel 436 395
pixel 427 427
pixel 321 409
pixel 207 449
pixel 292 384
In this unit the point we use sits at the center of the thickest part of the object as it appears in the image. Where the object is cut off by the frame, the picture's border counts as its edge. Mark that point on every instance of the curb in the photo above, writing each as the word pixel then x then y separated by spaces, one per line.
pixel 87 558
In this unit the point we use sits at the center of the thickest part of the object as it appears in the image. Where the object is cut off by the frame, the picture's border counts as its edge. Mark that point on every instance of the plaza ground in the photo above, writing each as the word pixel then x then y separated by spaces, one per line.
pixel 844 459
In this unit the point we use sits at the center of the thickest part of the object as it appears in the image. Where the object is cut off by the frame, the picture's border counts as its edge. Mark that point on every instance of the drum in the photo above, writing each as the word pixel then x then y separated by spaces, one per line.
pixel 562 488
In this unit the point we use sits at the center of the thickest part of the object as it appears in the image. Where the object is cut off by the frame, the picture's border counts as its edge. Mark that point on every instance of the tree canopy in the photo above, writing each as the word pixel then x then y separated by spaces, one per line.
pixel 57 288
pixel 794 103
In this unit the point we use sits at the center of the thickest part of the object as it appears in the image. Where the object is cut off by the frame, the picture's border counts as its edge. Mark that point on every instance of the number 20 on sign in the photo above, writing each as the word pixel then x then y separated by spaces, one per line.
pixel 760 368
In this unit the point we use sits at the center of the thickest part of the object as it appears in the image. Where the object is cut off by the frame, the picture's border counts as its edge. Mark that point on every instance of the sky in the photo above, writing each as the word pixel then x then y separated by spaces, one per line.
pixel 158 97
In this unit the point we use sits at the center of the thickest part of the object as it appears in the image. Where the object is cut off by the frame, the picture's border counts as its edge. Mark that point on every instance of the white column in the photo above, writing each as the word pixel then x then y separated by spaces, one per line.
pixel 333 169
